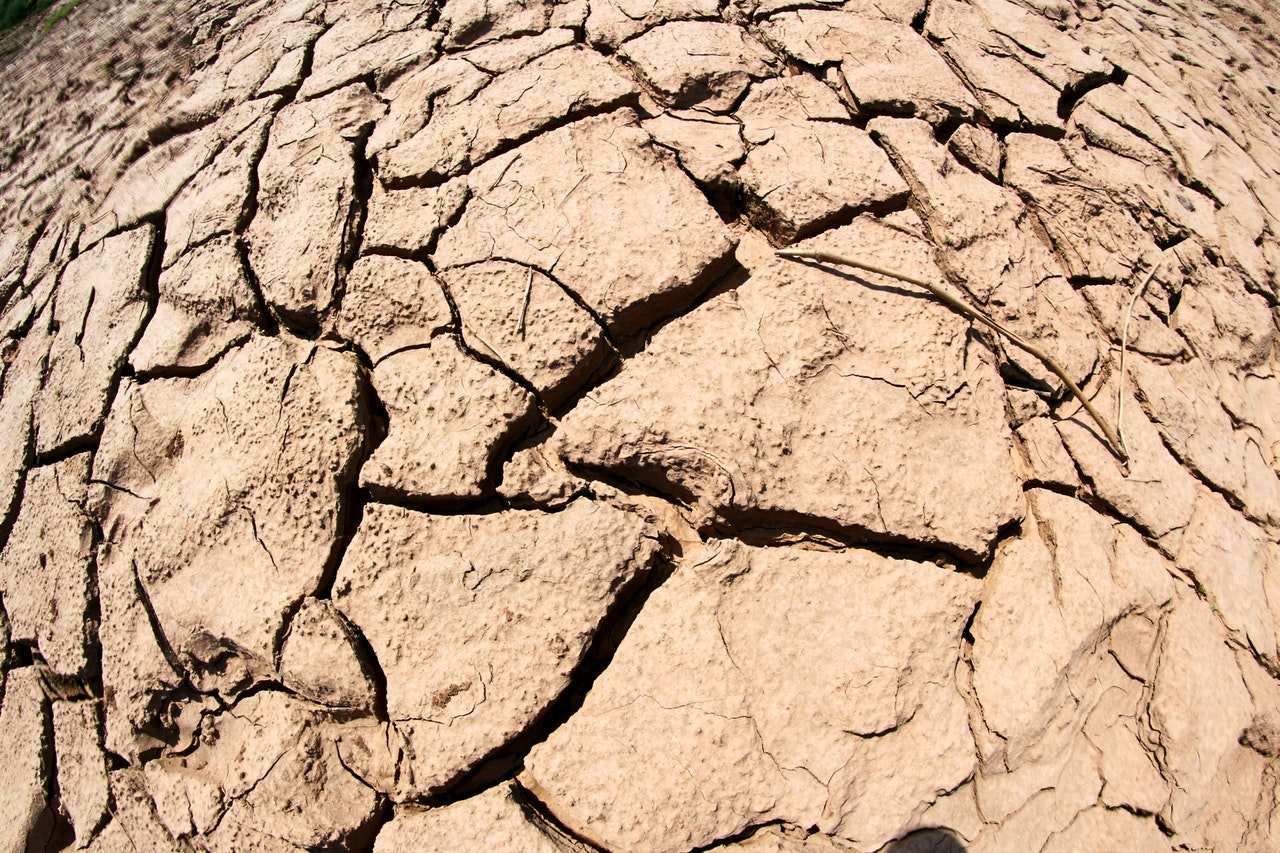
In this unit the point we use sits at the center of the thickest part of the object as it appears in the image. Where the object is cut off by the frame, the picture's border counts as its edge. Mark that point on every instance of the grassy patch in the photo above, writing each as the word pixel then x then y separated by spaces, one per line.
pixel 58 14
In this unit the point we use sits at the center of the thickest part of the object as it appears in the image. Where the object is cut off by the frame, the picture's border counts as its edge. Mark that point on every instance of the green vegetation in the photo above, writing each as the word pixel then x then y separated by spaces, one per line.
pixel 20 23
pixel 15 11
pixel 60 13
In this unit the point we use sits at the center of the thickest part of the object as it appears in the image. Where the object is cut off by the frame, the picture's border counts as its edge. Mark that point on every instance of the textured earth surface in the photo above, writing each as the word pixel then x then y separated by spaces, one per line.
pixel 411 441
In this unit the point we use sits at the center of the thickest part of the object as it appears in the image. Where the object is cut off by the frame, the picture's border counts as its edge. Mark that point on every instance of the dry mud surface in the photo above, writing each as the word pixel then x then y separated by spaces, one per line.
pixel 410 441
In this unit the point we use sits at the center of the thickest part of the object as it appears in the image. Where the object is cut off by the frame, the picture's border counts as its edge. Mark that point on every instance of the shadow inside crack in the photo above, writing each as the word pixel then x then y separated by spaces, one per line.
pixel 927 841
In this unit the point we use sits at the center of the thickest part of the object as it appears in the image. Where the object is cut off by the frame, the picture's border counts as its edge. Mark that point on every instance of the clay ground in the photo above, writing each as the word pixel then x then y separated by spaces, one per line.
pixel 411 441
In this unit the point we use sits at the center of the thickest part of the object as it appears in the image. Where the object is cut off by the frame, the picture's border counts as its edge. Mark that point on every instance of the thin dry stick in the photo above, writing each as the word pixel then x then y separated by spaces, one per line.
pixel 974 314
pixel 1063 179
pixel 524 306
pixel 1124 351
pixel 1124 346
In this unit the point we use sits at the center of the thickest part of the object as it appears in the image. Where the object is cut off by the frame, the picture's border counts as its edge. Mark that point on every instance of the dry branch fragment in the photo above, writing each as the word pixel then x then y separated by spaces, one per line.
pixel 972 313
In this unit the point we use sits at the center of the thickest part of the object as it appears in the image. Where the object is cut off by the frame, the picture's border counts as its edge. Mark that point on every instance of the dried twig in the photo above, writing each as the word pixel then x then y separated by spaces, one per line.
pixel 1058 177
pixel 524 306
pixel 1124 348
pixel 973 313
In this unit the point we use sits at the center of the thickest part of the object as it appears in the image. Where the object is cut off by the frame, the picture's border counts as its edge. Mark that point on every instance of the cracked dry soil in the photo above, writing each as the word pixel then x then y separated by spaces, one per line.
pixel 409 440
